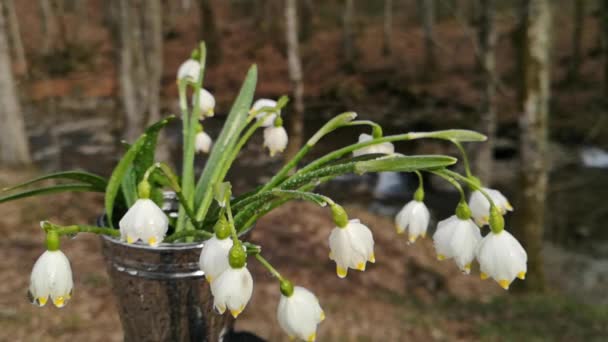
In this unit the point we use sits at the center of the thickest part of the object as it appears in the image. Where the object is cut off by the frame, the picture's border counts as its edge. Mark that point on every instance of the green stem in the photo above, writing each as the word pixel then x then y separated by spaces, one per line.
pixel 376 129
pixel 280 176
pixel 470 183
pixel 235 237
pixel 465 158
pixel 202 234
pixel 268 266
pixel 452 181
pixel 76 228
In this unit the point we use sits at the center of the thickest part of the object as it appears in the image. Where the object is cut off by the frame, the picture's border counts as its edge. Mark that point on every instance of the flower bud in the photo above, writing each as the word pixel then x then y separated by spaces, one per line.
pixel 237 257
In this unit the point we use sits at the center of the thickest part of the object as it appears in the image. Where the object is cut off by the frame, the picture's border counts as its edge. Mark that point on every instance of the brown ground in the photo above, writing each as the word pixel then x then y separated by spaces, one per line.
pixel 372 306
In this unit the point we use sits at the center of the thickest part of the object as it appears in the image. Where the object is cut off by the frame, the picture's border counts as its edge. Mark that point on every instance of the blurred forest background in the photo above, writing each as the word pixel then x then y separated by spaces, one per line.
pixel 78 76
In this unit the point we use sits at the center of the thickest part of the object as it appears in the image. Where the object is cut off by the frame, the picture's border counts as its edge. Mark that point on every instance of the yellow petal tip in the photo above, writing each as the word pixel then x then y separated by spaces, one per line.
pixel 521 275
pixel 372 258
pixel 42 300
pixel 152 241
pixel 413 238
pixel 440 257
pixel 59 301
pixel 361 266
pixel 312 337
pixel 322 315
pixel 483 276
pixel 504 284
pixel 341 272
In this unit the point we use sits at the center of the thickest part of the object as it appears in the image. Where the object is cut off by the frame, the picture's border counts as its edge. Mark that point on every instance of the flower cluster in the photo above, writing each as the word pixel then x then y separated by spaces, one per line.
pixel 208 211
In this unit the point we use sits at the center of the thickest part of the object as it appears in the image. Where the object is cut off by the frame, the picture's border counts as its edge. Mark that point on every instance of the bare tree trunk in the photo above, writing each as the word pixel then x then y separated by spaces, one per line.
pixel 15 38
pixel 387 28
pixel 209 32
pixel 533 138
pixel 487 42
pixel 427 12
pixel 140 60
pixel 348 35
pixel 577 36
pixel 14 146
pixel 296 129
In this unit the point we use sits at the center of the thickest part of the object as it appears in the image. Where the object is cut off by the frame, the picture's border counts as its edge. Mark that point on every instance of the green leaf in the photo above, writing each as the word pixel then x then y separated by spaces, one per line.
pixel 304 195
pixel 404 163
pixel 129 187
pixel 331 125
pixel 222 193
pixel 94 180
pixel 51 190
pixel 145 157
pixel 460 135
pixel 221 152
pixel 119 173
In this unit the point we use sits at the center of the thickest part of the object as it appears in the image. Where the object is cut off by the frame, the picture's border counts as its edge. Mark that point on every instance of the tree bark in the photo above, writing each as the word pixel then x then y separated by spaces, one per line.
pixel 427 13
pixel 15 38
pixel 348 35
pixel 209 32
pixel 306 16
pixel 533 138
pixel 487 42
pixel 140 58
pixel 577 37
pixel 387 27
pixel 14 146
pixel 296 127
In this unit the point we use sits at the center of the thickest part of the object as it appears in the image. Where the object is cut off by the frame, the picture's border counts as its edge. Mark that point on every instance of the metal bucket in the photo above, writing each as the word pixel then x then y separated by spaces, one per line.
pixel 161 294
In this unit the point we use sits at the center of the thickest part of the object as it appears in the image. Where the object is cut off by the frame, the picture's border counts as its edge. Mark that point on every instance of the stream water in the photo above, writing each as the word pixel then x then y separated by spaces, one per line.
pixel 84 135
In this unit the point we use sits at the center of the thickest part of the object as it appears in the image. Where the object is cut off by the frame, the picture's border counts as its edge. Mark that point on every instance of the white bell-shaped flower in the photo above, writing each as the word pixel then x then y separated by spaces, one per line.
pixel 51 277
pixel 190 70
pixel 300 314
pixel 351 246
pixel 415 218
pixel 261 103
pixel 480 207
pixel 501 257
pixel 457 238
pixel 144 221
pixel 384 148
pixel 232 290
pixel 202 142
pixel 206 103
pixel 275 138
pixel 214 257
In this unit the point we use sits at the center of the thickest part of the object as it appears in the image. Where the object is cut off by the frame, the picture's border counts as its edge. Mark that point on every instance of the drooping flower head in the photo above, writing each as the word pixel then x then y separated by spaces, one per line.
pixel 502 257
pixel 189 70
pixel 261 103
pixel 206 103
pixel 457 238
pixel 480 207
pixel 351 245
pixel 384 148
pixel 202 142
pixel 415 218
pixel 233 288
pixel 275 139
pixel 214 256
pixel 51 277
pixel 299 314
pixel 144 221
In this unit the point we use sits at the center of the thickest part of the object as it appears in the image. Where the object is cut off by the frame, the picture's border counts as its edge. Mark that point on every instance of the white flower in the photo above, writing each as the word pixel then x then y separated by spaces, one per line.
pixel 206 103
pixel 480 207
pixel 261 103
pixel 144 221
pixel 501 257
pixel 351 246
pixel 384 148
pixel 51 276
pixel 275 138
pixel 456 238
pixel 232 290
pixel 202 142
pixel 190 70
pixel 300 314
pixel 214 257
pixel 415 217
